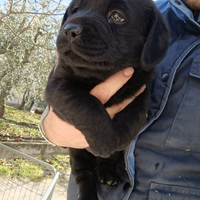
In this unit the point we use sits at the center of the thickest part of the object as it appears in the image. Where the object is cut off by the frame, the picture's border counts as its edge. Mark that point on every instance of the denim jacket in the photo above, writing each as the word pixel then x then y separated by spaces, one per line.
pixel 163 162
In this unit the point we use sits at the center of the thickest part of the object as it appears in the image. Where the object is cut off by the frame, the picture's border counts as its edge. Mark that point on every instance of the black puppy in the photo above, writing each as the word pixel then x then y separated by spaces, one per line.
pixel 97 39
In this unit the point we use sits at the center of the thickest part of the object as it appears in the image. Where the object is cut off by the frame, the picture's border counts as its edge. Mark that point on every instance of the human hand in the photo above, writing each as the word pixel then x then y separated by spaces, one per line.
pixel 64 134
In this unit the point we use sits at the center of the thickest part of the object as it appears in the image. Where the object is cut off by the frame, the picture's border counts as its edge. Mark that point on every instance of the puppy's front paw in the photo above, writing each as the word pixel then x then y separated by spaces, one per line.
pixel 108 177
pixel 89 196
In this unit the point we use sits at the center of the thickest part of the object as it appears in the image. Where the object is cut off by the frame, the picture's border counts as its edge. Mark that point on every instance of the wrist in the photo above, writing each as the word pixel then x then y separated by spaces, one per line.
pixel 41 126
pixel 60 133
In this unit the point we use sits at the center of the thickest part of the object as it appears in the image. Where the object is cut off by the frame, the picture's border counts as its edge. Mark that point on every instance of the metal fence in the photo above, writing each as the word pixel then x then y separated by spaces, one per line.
pixel 24 177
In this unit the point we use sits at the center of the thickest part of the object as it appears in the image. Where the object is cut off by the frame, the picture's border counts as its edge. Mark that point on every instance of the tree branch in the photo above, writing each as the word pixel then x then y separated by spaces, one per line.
pixel 3 52
pixel 11 5
pixel 33 13
pixel 42 46
pixel 6 15
pixel 3 74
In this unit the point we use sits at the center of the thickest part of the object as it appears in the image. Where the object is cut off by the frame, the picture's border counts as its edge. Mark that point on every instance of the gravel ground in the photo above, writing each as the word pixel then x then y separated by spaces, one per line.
pixel 13 189
pixel 60 191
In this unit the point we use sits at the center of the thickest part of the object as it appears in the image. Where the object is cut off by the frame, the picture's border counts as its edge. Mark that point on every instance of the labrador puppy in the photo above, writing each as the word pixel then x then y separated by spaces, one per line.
pixel 97 39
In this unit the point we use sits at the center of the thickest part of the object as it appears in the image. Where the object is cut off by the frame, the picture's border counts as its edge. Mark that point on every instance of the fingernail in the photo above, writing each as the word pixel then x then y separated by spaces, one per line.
pixel 143 87
pixel 128 71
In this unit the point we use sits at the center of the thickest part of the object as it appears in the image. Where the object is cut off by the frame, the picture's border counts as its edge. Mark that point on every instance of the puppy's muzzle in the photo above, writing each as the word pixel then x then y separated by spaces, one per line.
pixel 72 32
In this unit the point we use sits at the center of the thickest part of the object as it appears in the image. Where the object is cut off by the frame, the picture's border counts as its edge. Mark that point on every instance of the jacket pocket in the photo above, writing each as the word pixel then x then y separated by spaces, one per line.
pixel 169 192
pixel 185 131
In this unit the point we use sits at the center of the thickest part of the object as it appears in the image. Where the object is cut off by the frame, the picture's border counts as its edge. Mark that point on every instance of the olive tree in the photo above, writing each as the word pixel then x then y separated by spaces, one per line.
pixel 27 45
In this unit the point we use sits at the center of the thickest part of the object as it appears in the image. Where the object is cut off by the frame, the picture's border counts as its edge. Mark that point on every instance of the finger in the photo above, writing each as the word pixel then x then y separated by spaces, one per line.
pixel 141 90
pixel 105 90
pixel 113 110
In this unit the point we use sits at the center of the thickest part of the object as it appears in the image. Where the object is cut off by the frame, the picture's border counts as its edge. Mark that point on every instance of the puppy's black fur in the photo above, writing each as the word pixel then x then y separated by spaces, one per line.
pixel 97 39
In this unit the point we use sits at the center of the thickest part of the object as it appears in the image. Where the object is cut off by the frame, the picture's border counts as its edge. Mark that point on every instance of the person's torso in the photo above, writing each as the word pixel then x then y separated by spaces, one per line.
pixel 166 162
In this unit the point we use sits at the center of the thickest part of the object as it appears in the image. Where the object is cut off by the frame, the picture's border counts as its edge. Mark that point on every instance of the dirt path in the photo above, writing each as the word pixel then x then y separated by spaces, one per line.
pixel 60 191
pixel 13 189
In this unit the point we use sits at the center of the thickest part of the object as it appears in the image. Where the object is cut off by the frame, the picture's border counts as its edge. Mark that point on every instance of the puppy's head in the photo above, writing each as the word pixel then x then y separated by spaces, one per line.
pixel 109 35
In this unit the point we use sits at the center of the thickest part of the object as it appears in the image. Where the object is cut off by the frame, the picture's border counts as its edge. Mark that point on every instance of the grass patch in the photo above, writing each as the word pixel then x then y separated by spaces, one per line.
pixel 20 168
pixel 19 123
pixel 60 162
pixel 25 169
pixel 23 124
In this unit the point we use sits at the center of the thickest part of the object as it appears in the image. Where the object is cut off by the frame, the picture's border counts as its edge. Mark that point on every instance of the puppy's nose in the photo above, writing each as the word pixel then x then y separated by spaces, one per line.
pixel 72 31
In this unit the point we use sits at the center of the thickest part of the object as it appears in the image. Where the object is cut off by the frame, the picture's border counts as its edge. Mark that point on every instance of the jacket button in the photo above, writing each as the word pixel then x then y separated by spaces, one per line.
pixel 165 77
pixel 178 2
pixel 126 186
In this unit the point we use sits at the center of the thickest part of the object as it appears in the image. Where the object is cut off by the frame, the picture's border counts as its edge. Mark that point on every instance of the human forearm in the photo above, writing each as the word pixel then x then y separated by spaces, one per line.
pixel 64 134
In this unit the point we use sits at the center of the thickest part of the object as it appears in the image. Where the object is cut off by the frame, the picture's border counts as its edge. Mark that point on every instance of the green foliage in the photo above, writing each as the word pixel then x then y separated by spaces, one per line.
pixel 21 168
pixel 24 124
pixel 19 123
pixel 27 55
pixel 25 169
pixel 60 162
pixel 27 47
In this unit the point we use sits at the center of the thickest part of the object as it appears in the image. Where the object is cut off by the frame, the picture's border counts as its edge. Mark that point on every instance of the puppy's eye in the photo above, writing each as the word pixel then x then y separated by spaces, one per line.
pixel 75 10
pixel 117 17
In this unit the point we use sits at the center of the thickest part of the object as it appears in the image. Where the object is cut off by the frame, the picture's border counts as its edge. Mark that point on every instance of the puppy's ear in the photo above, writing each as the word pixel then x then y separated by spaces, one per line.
pixel 157 41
